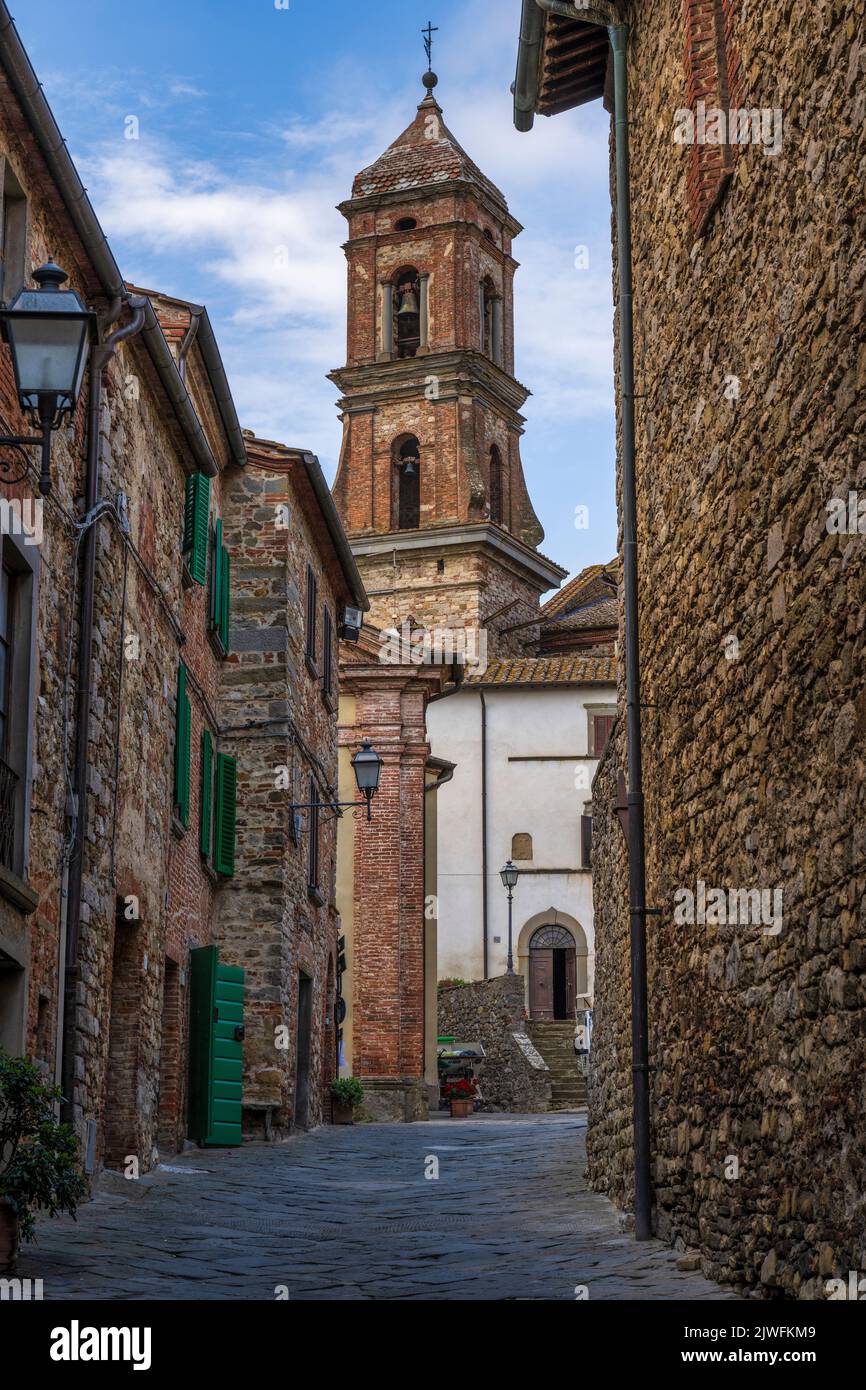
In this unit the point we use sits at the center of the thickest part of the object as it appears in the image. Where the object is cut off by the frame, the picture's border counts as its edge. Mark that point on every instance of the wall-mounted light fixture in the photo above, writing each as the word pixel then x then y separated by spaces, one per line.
pixel 367 766
pixel 49 333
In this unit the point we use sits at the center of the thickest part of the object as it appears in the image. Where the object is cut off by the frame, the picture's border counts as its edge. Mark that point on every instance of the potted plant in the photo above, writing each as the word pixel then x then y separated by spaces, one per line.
pixel 38 1156
pixel 346 1095
pixel 461 1097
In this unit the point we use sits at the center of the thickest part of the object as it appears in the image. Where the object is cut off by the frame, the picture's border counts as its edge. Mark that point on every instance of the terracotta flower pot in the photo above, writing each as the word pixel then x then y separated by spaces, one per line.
pixel 342 1114
pixel 460 1109
pixel 8 1237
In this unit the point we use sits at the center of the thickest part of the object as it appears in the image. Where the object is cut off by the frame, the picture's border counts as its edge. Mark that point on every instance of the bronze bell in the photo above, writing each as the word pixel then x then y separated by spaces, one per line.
pixel 410 465
pixel 409 303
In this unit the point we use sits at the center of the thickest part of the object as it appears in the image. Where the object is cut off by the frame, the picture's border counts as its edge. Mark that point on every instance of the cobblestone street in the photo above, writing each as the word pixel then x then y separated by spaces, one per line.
pixel 347 1213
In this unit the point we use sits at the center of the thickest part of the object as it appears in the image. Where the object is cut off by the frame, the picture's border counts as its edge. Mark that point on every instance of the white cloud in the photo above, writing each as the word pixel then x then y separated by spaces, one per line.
pixel 261 243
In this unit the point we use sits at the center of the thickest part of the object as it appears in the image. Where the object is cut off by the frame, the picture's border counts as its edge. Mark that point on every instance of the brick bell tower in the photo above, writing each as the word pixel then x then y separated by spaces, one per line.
pixel 430 485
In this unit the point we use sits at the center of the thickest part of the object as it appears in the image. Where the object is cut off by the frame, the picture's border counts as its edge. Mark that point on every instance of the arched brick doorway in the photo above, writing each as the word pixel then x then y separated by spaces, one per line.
pixel 552 973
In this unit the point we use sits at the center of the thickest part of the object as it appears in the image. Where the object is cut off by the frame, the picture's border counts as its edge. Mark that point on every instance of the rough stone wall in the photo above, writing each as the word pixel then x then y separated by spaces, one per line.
pixel 454 590
pixel 491 1012
pixel 276 722
pixel 750 353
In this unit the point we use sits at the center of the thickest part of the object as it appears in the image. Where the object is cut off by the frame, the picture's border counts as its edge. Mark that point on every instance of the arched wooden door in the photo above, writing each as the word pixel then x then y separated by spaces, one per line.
pixel 552 973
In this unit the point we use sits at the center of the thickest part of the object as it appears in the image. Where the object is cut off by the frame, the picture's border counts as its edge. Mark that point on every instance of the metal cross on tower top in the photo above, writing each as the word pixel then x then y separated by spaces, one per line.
pixel 428 42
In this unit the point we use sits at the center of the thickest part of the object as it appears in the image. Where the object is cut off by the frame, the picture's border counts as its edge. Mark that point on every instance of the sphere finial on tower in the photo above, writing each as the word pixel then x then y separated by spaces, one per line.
pixel 429 79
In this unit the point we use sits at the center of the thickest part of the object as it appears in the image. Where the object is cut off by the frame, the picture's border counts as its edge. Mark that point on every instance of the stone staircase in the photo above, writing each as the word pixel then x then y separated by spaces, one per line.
pixel 555 1042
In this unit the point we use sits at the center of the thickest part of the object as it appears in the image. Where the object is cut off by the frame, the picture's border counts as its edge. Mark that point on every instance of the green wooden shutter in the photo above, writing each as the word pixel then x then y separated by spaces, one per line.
pixel 196 524
pixel 226 599
pixel 206 797
pixel 217 576
pixel 183 727
pixel 216 1049
pixel 225 816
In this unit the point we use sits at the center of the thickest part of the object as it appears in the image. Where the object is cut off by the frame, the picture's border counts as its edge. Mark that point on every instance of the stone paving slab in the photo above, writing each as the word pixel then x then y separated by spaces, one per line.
pixel 348 1213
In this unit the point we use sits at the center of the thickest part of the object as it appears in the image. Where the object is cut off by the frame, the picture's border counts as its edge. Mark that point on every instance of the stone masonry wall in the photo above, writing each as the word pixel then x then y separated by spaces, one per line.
pixel 491 1012
pixel 751 364
pixel 276 721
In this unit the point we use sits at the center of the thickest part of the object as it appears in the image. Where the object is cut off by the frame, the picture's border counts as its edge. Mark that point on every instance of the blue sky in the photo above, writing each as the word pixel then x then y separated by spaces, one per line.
pixel 251 121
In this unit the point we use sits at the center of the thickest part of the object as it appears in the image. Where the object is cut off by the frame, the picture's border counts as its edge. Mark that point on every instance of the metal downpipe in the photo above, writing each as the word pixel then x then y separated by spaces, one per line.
pixel 634 799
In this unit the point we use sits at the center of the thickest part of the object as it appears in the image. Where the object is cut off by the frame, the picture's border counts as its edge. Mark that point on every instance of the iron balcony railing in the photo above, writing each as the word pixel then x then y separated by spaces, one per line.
pixel 8 804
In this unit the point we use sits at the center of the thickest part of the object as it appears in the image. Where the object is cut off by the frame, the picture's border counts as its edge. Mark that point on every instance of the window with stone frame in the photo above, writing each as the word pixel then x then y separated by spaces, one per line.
pixel 600 720
pixel 313 839
pixel 17 590
pixel 13 236
pixel 714 78
pixel 327 658
pixel 491 321
pixel 586 838
pixel 311 636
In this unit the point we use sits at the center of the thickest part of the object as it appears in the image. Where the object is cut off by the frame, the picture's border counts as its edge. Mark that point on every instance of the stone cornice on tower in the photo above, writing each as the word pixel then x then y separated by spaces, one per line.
pixel 460 373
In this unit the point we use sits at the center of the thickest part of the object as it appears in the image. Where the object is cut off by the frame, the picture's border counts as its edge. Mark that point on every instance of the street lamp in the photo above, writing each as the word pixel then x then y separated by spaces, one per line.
pixel 368 770
pixel 367 767
pixel 509 875
pixel 48 331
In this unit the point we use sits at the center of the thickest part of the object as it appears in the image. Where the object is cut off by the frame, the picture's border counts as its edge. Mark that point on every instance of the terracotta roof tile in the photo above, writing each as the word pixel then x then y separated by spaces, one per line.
pixel 546 670
pixel 426 153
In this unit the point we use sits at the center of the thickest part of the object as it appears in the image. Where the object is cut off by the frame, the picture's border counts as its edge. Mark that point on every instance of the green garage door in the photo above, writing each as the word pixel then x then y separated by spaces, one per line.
pixel 216 1053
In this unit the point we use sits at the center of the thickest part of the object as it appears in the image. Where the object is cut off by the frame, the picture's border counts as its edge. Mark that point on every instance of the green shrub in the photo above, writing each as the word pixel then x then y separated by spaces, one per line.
pixel 347 1090
pixel 38 1156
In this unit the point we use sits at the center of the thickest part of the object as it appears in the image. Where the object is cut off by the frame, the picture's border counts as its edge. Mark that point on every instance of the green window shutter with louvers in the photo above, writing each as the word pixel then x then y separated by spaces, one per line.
pixel 225 605
pixel 225 815
pixel 183 726
pixel 196 522
pixel 217 576
pixel 206 798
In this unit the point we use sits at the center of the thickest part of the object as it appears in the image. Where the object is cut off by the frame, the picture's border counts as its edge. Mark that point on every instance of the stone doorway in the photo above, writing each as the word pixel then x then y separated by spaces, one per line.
pixel 552 973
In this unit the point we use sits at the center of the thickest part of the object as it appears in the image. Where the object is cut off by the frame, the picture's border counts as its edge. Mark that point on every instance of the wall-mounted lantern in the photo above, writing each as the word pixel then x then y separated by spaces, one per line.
pixel 49 333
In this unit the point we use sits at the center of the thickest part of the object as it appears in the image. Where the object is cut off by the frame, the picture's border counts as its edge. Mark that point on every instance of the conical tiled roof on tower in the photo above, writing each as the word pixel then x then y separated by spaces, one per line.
pixel 426 153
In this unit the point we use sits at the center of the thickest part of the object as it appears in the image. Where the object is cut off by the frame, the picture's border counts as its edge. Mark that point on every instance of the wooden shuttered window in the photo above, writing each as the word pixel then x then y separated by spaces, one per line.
pixel 225 814
pixel 327 654
pixel 206 794
pixel 312 605
pixel 601 727
pixel 196 526
pixel 220 599
pixel 586 841
pixel 183 727
pixel 313 846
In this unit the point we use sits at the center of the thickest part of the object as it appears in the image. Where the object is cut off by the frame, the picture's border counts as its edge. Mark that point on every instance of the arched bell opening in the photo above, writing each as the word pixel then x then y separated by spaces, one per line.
pixel 407 312
pixel 406 489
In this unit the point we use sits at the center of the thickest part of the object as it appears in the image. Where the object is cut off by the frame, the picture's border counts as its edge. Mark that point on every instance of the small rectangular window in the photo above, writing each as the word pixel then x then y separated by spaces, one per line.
pixel 313 842
pixel 601 727
pixel 17 615
pixel 327 656
pixel 13 246
pixel 312 606
pixel 586 841
pixel 182 731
